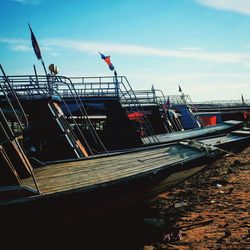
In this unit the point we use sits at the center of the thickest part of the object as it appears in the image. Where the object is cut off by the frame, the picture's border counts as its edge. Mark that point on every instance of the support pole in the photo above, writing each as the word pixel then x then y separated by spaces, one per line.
pixel 117 85
pixel 49 85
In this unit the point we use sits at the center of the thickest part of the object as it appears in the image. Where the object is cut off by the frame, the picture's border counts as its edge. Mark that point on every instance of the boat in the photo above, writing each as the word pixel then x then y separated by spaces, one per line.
pixel 86 188
pixel 220 111
pixel 203 132
pixel 120 118
pixel 235 141
pixel 56 190
pixel 210 112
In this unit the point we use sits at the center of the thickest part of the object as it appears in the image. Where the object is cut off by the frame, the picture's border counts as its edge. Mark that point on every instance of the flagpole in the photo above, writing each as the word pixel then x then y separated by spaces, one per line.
pixel 37 82
pixel 153 92
pixel 242 99
pixel 116 84
pixel 112 68
pixel 182 95
pixel 47 76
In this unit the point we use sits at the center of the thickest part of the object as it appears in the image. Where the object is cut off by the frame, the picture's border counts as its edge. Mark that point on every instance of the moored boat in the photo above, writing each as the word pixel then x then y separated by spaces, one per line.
pixel 87 185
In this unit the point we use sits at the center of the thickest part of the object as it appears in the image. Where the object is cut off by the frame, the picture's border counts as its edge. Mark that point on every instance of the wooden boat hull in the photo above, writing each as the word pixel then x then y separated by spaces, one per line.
pixel 108 196
pixel 98 200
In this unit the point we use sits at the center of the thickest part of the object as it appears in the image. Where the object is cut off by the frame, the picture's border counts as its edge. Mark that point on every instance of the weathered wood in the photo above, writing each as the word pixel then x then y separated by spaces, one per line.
pixel 78 174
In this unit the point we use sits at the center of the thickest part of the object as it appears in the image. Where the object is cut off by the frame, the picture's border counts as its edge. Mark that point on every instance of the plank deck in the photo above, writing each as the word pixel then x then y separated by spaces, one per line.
pixel 238 135
pixel 78 174
pixel 193 133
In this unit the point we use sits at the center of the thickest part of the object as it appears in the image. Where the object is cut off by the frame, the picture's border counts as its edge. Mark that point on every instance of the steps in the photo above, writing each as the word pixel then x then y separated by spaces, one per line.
pixel 75 145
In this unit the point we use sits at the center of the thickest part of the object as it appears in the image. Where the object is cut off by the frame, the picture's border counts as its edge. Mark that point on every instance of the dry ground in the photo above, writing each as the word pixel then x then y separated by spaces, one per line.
pixel 209 211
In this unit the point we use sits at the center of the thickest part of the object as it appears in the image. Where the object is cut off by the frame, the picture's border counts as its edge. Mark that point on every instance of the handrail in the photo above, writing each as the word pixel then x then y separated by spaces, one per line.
pixel 77 87
pixel 84 112
pixel 140 108
pixel 6 90
pixel 9 89
pixel 23 84
pixel 104 87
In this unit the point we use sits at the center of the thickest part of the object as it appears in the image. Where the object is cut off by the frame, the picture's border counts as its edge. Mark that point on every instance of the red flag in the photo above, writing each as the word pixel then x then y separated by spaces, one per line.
pixel 166 105
pixel 107 60
pixel 35 45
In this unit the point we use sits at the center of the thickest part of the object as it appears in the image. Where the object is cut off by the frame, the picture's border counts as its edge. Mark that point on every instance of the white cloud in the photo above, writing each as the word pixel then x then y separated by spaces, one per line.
pixel 29 2
pixel 93 47
pixel 16 44
pixel 201 86
pixel 21 47
pixel 56 45
pixel 239 6
pixel 191 48
pixel 13 41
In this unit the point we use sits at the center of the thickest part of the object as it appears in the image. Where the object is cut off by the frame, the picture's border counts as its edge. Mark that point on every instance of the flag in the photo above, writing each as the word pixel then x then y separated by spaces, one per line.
pixel 195 109
pixel 166 105
pixel 35 45
pixel 107 60
pixel 242 99
pixel 168 102
pixel 180 90
pixel 245 115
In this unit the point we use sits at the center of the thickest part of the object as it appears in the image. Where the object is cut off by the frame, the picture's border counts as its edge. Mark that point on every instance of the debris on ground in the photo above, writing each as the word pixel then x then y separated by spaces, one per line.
pixel 210 210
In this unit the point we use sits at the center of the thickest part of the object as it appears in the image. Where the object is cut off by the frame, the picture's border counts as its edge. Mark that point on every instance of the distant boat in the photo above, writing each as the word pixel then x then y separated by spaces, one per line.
pixel 213 112
pixel 224 110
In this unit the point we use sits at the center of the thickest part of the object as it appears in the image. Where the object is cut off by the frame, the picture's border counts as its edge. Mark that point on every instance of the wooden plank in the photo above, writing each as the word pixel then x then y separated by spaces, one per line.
pixel 90 168
pixel 95 164
pixel 65 176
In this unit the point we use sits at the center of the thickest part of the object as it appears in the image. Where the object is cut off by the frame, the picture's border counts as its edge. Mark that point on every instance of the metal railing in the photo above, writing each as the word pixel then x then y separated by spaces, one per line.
pixel 37 86
pixel 11 101
pixel 117 87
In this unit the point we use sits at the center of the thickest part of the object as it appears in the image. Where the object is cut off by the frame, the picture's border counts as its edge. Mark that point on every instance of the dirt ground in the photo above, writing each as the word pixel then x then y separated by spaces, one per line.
pixel 209 211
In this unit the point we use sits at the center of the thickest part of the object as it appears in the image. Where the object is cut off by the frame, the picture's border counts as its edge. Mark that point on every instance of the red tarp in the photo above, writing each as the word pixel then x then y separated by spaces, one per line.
pixel 135 116
pixel 209 120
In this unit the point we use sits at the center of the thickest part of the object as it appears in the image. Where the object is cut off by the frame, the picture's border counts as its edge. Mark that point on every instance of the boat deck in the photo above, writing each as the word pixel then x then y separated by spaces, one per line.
pixel 235 136
pixel 84 173
pixel 196 133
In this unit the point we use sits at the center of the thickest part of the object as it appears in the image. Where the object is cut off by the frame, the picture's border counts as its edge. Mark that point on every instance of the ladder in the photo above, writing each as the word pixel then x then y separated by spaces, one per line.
pixel 66 130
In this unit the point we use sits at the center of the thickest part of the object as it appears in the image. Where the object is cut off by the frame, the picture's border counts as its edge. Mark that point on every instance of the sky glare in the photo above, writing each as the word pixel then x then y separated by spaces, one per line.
pixel 201 45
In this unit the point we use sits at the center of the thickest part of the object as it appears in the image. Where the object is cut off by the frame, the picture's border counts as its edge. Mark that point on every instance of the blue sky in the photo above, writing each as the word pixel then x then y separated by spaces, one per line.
pixel 201 45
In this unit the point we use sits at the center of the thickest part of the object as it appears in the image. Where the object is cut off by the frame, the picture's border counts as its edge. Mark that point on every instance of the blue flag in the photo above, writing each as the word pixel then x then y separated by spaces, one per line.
pixel 35 45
